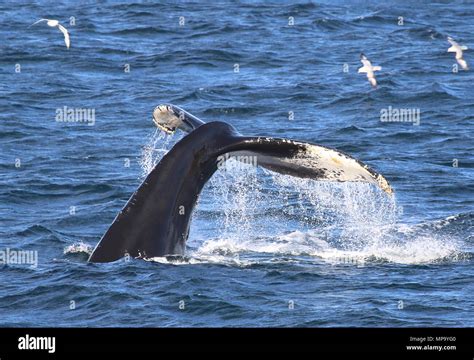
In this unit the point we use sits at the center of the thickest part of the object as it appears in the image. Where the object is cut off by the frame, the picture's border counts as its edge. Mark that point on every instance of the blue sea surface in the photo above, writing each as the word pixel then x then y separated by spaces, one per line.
pixel 264 249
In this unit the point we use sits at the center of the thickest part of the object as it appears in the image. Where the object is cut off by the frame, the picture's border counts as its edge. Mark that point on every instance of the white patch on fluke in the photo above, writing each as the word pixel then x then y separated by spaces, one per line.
pixel 329 164
pixel 165 118
pixel 340 167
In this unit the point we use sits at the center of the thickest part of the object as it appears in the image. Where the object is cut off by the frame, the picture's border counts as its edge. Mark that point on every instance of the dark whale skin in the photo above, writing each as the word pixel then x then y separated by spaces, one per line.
pixel 155 221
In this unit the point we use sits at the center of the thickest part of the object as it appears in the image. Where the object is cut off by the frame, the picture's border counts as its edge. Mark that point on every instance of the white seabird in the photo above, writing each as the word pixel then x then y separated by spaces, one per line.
pixel 55 23
pixel 458 49
pixel 369 69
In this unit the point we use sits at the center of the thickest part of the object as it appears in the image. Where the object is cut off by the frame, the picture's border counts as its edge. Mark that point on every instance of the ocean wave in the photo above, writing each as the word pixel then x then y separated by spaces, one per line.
pixel 327 23
pixel 35 230
pixel 377 18
pixel 144 30
pixel 78 251
pixel 205 30
pixel 423 32
pixel 351 129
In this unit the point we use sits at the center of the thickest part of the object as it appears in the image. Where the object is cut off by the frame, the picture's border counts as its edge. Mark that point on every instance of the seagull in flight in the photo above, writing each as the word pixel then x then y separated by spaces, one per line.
pixel 55 23
pixel 458 49
pixel 369 69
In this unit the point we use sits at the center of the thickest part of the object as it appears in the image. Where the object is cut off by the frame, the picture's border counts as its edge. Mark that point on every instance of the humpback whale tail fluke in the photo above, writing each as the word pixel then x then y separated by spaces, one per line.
pixel 155 221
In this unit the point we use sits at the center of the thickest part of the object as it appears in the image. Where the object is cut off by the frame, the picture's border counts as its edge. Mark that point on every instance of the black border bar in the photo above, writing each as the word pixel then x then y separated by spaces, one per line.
pixel 82 341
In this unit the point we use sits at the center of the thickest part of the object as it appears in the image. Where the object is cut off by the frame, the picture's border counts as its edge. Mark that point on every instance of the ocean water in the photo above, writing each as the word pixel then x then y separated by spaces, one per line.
pixel 264 249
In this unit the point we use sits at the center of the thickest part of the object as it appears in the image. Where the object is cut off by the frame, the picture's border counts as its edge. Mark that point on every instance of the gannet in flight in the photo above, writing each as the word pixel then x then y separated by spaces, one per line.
pixel 55 23
pixel 456 48
pixel 369 69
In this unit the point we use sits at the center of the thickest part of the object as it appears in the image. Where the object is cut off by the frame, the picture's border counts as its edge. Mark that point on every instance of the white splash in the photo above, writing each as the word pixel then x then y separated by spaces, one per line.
pixel 78 248
pixel 202 259
pixel 236 190
pixel 340 223
pixel 156 147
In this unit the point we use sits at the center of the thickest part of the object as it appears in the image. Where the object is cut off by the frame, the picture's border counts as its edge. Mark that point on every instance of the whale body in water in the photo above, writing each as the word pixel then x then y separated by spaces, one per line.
pixel 155 221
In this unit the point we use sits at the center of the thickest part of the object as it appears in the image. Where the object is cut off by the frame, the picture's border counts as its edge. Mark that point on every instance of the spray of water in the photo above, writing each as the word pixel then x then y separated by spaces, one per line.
pixel 268 213
pixel 157 145
pixel 239 202
pixel 256 211
pixel 78 248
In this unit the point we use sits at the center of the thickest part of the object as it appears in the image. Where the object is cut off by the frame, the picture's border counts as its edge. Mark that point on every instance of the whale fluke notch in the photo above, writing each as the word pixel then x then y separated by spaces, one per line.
pixel 155 221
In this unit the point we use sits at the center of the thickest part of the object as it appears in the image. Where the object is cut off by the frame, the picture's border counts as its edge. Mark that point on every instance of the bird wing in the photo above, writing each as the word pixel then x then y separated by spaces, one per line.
pixel 452 42
pixel 463 64
pixel 67 40
pixel 40 20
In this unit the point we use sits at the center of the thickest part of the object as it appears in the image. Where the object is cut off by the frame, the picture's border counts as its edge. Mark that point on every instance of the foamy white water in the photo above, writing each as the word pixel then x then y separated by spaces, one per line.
pixel 77 248
pixel 336 222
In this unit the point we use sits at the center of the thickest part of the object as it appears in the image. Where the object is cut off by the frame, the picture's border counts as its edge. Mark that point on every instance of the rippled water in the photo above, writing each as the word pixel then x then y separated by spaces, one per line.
pixel 264 249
